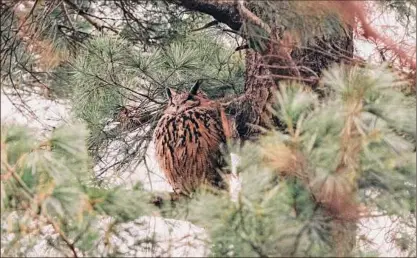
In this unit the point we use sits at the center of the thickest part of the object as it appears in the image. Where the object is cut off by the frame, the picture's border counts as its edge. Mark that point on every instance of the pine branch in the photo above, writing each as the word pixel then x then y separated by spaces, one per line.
pixel 98 25
pixel 62 235
pixel 223 12
pixel 34 199
pixel 370 33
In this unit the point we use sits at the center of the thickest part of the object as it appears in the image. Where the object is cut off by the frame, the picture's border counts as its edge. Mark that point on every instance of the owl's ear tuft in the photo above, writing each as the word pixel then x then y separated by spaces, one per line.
pixel 170 92
pixel 195 88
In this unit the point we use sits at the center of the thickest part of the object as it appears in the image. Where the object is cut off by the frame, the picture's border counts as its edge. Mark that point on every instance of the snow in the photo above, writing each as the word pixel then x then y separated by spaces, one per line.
pixel 178 238
pixel 174 237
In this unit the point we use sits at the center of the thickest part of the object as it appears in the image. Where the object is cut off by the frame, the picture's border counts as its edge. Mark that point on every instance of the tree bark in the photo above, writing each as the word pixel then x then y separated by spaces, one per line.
pixel 264 71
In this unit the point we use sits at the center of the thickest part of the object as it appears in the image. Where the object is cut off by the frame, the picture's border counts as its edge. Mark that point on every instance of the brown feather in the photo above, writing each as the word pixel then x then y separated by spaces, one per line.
pixel 187 141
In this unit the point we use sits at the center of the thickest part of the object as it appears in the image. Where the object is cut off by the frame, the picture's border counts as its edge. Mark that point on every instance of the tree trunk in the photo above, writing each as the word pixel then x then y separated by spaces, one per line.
pixel 265 69
pixel 259 94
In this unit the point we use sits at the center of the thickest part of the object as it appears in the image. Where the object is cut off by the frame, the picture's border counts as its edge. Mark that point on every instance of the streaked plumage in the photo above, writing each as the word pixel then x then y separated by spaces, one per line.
pixel 187 141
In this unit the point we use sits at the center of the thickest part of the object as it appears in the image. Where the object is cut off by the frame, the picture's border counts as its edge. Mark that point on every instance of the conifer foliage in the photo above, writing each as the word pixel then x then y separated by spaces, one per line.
pixel 329 139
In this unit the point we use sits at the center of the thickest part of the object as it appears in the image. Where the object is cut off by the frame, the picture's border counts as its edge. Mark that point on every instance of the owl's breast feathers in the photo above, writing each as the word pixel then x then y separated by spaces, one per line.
pixel 187 148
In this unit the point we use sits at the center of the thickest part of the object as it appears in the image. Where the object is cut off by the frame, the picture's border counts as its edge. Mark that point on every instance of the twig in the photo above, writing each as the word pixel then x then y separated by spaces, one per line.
pixel 287 77
pixel 246 46
pixel 62 235
pixel 87 17
pixel 66 15
pixel 251 16
pixel 32 197
pixel 208 25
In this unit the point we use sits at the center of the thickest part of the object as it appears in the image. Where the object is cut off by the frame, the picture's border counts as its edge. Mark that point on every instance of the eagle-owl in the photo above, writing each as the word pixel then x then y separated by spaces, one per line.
pixel 187 141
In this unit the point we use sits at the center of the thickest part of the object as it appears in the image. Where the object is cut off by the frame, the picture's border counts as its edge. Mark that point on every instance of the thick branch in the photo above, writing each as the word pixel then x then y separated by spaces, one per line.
pixel 223 12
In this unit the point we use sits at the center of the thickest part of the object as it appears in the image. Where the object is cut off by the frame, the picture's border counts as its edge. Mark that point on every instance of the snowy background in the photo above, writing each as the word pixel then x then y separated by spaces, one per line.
pixel 179 238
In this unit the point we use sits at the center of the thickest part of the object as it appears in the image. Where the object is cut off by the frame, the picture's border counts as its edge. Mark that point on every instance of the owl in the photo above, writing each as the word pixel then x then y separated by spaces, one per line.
pixel 187 141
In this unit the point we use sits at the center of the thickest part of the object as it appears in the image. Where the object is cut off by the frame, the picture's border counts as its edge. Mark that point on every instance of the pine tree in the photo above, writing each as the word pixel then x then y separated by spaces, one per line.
pixel 324 139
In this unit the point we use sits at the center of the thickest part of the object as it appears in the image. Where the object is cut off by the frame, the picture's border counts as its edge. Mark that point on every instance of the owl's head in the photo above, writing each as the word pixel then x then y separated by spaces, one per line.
pixel 183 101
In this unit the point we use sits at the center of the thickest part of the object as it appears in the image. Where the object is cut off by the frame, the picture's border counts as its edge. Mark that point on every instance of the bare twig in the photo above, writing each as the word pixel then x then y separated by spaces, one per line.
pixel 64 9
pixel 88 18
pixel 208 25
